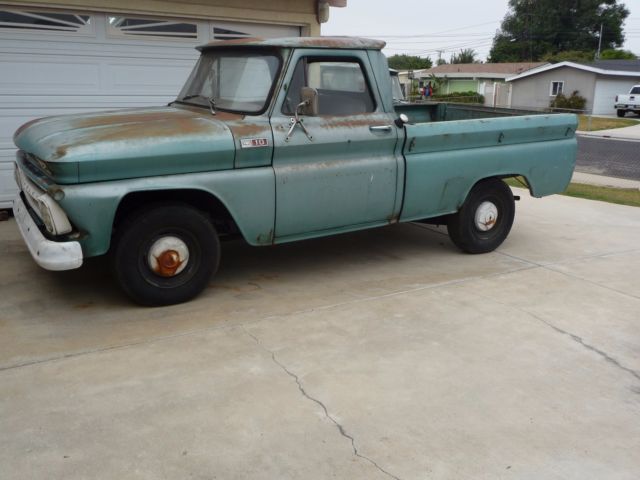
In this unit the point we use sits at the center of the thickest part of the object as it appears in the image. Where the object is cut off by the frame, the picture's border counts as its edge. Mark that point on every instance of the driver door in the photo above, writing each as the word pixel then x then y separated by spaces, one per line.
pixel 343 174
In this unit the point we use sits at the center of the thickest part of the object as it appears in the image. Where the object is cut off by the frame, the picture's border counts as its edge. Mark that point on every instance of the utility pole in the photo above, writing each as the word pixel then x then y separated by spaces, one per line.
pixel 600 41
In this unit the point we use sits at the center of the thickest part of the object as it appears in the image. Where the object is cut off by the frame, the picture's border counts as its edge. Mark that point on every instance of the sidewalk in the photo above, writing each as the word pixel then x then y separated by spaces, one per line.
pixel 602 181
pixel 626 133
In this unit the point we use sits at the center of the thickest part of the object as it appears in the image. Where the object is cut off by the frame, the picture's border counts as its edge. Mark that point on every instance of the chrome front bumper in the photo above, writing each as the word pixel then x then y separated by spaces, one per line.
pixel 48 254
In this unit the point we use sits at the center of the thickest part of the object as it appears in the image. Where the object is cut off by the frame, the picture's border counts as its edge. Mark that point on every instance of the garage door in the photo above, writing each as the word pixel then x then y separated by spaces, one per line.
pixel 69 62
pixel 606 91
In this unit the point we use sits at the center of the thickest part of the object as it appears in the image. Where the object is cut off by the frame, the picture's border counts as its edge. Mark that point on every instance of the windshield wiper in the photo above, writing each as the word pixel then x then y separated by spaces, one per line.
pixel 211 100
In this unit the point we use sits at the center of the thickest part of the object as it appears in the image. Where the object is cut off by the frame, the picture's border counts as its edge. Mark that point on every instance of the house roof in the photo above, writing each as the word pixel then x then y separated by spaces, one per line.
pixel 300 42
pixel 617 65
pixel 478 70
pixel 602 67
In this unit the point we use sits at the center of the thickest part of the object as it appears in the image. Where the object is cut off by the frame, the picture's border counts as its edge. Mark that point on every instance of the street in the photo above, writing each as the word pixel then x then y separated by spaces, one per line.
pixel 610 157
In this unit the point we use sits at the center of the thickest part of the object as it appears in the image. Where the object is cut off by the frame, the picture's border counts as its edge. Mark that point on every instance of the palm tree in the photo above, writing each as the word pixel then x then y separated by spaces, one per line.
pixel 467 55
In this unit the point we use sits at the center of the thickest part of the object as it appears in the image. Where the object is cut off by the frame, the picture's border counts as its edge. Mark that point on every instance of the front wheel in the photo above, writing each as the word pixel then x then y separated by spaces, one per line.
pixel 485 219
pixel 165 254
pixel 621 113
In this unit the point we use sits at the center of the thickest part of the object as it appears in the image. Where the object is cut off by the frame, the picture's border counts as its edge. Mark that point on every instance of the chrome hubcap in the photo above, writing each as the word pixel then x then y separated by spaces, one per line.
pixel 168 256
pixel 486 216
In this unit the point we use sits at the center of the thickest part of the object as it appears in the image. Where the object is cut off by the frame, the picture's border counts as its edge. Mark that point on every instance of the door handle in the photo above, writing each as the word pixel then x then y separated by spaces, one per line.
pixel 380 128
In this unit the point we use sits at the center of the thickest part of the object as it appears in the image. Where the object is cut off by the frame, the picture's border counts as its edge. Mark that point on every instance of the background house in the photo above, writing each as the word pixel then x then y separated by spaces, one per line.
pixel 84 55
pixel 487 79
pixel 598 82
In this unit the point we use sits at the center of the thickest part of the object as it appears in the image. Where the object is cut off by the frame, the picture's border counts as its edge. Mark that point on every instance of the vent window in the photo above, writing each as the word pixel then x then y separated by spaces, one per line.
pixel 224 34
pixel 146 27
pixel 45 21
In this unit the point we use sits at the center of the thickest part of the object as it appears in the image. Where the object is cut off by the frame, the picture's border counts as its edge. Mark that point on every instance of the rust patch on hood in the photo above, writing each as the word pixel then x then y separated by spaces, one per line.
pixel 167 128
pixel 61 151
pixel 124 118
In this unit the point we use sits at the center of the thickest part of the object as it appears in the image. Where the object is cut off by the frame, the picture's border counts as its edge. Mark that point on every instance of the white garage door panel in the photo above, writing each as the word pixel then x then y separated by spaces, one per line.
pixel 153 78
pixel 45 73
pixel 96 49
pixel 606 91
pixel 7 183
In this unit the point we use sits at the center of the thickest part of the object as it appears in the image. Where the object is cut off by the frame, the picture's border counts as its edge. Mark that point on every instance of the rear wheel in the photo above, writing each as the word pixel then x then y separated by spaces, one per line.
pixel 485 219
pixel 621 113
pixel 165 254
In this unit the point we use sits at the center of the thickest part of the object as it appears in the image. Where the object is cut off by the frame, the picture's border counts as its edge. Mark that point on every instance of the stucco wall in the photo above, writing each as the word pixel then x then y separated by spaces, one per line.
pixel 533 91
pixel 283 12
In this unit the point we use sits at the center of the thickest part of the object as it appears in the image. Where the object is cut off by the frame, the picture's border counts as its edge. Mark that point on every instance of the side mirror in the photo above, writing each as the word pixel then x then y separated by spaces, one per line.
pixel 309 97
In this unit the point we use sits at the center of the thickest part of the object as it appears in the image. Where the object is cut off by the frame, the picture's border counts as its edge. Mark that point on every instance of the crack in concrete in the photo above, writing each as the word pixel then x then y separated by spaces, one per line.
pixel 318 402
pixel 573 336
pixel 579 340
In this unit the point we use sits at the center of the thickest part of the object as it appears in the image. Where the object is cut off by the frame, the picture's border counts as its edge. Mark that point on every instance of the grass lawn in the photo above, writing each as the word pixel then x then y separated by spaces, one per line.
pixel 622 196
pixel 600 123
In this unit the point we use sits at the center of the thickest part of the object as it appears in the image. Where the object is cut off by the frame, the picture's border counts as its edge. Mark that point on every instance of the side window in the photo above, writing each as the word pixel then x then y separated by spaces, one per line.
pixel 342 87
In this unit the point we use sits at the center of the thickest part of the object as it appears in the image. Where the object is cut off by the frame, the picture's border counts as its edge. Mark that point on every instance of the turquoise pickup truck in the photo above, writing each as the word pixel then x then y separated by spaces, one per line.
pixel 275 141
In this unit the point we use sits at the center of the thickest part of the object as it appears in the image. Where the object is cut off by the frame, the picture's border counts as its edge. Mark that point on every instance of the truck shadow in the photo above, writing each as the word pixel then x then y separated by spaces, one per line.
pixel 244 268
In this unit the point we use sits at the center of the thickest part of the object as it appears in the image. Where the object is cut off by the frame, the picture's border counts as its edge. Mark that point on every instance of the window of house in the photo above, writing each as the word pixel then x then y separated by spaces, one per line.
pixel 45 21
pixel 342 87
pixel 556 88
pixel 148 27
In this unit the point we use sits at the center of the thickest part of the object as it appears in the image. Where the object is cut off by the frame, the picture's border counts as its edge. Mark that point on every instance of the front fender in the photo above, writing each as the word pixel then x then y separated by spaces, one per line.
pixel 248 194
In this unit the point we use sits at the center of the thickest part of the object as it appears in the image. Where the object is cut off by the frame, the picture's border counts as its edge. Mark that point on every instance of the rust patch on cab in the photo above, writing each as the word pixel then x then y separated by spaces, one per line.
pixel 247 129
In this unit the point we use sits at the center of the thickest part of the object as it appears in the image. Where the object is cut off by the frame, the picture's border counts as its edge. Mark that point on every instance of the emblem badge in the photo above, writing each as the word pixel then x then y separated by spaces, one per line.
pixel 254 142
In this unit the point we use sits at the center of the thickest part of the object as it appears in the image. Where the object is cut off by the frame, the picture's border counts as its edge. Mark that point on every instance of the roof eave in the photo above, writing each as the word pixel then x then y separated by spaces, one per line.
pixel 578 66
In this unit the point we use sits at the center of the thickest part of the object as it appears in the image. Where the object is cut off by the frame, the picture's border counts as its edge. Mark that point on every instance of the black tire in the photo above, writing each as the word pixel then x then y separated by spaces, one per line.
pixel 149 229
pixel 621 113
pixel 463 227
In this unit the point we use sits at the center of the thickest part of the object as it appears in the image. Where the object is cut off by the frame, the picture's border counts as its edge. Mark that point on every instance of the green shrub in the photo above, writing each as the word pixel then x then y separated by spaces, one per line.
pixel 574 102
pixel 459 97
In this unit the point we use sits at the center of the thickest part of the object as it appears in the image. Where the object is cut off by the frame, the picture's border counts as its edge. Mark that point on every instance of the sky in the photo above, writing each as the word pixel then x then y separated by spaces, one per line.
pixel 423 28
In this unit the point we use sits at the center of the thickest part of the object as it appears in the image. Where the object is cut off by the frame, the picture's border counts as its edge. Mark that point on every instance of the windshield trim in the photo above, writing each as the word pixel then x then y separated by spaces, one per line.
pixel 276 79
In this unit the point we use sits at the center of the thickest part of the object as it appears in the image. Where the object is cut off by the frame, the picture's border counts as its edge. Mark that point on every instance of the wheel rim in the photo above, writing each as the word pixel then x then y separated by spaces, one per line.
pixel 486 216
pixel 168 256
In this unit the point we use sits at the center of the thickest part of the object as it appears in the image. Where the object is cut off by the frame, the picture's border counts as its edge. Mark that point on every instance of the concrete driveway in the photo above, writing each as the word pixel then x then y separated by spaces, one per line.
pixel 375 355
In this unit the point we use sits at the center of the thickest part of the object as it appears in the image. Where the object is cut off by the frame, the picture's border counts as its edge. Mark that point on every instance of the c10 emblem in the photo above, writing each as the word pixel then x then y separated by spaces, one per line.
pixel 254 142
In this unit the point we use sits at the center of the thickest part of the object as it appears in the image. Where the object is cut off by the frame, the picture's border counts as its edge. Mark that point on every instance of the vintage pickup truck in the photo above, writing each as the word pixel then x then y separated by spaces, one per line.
pixel 276 141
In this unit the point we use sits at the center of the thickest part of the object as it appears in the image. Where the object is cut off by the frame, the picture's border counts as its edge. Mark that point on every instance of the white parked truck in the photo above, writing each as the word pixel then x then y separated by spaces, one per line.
pixel 628 103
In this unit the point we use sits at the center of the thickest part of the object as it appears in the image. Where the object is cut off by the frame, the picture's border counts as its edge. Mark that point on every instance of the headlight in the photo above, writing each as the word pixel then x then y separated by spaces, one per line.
pixel 51 214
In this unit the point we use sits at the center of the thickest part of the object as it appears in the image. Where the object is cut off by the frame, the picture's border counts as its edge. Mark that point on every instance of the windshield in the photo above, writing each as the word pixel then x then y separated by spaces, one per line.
pixel 635 90
pixel 232 81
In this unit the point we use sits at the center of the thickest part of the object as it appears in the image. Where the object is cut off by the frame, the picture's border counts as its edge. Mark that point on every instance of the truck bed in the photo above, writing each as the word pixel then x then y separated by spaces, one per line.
pixel 449 148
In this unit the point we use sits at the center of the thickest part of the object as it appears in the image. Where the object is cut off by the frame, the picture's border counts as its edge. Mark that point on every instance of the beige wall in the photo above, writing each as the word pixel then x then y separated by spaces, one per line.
pixel 533 91
pixel 282 12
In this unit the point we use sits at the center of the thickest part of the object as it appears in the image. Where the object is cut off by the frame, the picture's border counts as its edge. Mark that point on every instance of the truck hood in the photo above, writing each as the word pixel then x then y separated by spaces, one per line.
pixel 127 144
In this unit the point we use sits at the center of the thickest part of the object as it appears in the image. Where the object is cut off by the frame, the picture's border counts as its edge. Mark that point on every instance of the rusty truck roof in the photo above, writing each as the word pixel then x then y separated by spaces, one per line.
pixel 300 42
